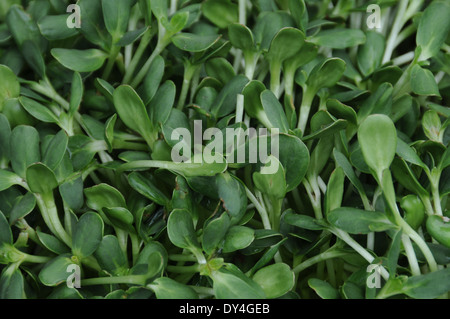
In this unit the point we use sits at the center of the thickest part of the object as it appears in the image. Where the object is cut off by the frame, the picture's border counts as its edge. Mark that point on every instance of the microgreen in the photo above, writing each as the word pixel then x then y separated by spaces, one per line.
pixel 123 127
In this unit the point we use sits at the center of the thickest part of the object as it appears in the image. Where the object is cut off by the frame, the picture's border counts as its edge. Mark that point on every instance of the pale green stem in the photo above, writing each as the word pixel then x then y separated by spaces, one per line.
pixel 49 213
pixel 389 194
pixel 305 108
pixel 261 210
pixel 162 43
pixel 275 74
pixel 184 269
pixel 136 280
pixel 358 248
pixel 318 258
pixel 410 254
pixel 396 28
pixel 36 259
pixel 145 40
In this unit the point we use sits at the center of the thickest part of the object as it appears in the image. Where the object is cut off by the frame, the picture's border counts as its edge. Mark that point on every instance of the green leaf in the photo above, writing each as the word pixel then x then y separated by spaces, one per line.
pixel 116 14
pixel 231 283
pixel 52 243
pixel 12 283
pixel 9 86
pixel 431 124
pixel 274 111
pixel 119 217
pixel 55 271
pixel 22 208
pixel 269 182
pixel 153 79
pixel 252 101
pixel 132 36
pixel 404 176
pixel 394 253
pixel 241 37
pixel 428 286
pixel 103 195
pixel 87 235
pixel 149 249
pixel 433 29
pixel 326 74
pixel 340 110
pixel 285 44
pixel 56 148
pixel 339 38
pixel 343 162
pixel 38 110
pixel 147 188
pixel 41 179
pixel 6 236
pixel 225 103
pixel 25 152
pixel 232 194
pixel 423 82
pixel 370 55
pixel 76 93
pixel 109 132
pixel 214 233
pixel 93 26
pixel 358 221
pixel 335 190
pixel 180 229
pixel 189 169
pixel 161 104
pixel 132 112
pixel 299 12
pixel 192 42
pixel 177 22
pixel 167 288
pixel 8 179
pixel 238 237
pixel 55 27
pixel 80 60
pixel 220 69
pixel 408 154
pixel 72 192
pixel 23 28
pixel 5 135
pixel 110 256
pixel 377 137
pixel 301 221
pixel 379 102
pixel 64 292
pixel 323 289
pixel 276 280
pixel 221 13
pixel 294 156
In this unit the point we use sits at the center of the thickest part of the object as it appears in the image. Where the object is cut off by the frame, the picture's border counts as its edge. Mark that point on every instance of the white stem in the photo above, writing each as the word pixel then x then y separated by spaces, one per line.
pixel 359 249
pixel 403 59
pixel 411 255
pixel 396 28
pixel 239 108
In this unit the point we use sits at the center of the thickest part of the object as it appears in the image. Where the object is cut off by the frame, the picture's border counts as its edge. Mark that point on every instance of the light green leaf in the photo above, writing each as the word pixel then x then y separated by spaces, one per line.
pixel 80 60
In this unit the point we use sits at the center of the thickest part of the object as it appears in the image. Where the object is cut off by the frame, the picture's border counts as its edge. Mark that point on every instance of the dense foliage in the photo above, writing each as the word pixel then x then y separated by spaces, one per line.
pixel 356 97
